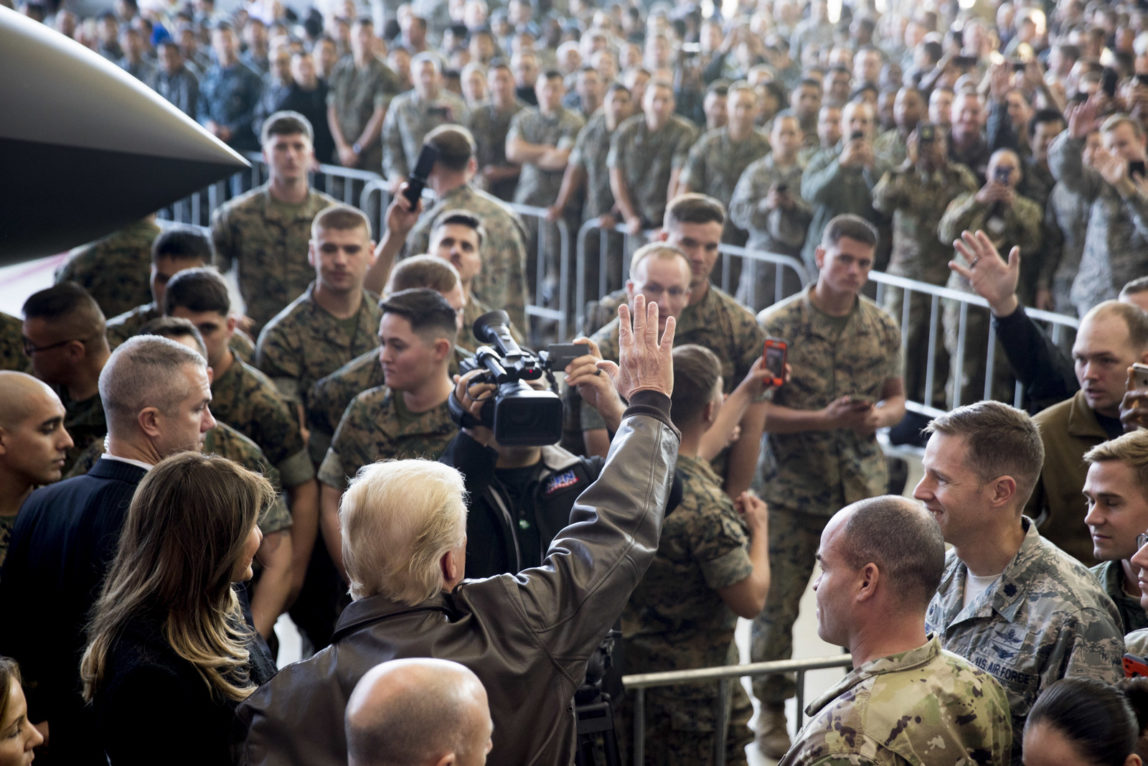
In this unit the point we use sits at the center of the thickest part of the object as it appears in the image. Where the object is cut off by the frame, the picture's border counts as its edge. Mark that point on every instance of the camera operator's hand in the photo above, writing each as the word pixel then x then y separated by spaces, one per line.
pixel 594 380
pixel 988 274
pixel 472 396
pixel 645 362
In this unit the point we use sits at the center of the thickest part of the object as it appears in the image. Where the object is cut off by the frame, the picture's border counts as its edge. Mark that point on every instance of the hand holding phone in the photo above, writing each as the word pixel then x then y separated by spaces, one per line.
pixel 423 167
pixel 775 353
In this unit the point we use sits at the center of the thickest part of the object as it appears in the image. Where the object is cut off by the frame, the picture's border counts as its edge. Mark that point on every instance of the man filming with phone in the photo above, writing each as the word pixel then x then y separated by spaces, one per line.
pixel 821 451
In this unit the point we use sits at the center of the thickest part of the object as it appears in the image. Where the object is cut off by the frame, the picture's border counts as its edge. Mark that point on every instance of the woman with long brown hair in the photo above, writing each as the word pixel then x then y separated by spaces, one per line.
pixel 170 654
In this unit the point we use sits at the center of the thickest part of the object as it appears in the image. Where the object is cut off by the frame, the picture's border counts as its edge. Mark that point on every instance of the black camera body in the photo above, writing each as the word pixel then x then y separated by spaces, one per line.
pixel 518 414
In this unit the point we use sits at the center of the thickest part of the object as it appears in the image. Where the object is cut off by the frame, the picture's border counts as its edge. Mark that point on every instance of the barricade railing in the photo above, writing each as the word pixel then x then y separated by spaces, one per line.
pixel 551 298
pixel 724 675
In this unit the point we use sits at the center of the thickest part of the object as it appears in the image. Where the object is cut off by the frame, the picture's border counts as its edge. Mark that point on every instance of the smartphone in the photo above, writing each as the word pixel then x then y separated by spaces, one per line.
pixel 781 188
pixel 965 62
pixel 423 167
pixel 1142 78
pixel 857 135
pixel 1136 168
pixel 1108 81
pixel 1018 66
pixel 559 355
pixel 1002 175
pixel 1137 376
pixel 1135 666
pixel 775 352
pixel 926 133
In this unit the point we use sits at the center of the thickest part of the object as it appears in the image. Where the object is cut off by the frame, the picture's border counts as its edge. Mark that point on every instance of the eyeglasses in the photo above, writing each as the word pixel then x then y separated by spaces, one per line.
pixel 31 348
pixel 1141 540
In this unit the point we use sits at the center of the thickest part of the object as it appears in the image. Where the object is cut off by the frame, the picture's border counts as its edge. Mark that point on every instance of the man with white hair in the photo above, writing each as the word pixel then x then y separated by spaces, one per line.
pixel 155 395
pixel 528 638
pixel 418 712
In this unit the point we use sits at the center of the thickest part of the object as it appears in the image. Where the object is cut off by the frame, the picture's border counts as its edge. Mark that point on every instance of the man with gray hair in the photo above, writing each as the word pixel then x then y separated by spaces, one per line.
pixel 881 560
pixel 418 712
pixel 155 395
pixel 527 637
pixel 1010 602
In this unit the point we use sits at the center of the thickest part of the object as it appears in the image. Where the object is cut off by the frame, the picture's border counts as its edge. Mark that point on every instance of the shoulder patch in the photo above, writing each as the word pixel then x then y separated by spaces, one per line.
pixel 561 481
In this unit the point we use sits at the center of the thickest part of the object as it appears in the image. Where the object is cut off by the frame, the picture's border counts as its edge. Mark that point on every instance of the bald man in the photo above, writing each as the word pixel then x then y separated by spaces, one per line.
pixel 418 712
pixel 33 444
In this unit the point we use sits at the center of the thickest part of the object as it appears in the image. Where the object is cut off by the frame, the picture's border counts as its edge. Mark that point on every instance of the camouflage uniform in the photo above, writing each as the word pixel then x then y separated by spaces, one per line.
pixel 266 242
pixel 116 270
pixel 408 120
pixel 247 400
pixel 922 706
pixel 647 161
pixel 770 231
pixel 916 201
pixel 891 148
pixel 228 96
pixel 833 190
pixel 12 355
pixel 806 477
pixel 1116 242
pixel 1022 225
pixel 489 127
pixel 378 426
pixel 473 309
pixel 84 421
pixel 1044 619
pixel 129 324
pixel 1110 574
pixel 355 94
pixel 1066 226
pixel 502 281
pixel 225 441
pixel 676 620
pixel 590 151
pixel 1136 643
pixel 304 343
pixel 714 165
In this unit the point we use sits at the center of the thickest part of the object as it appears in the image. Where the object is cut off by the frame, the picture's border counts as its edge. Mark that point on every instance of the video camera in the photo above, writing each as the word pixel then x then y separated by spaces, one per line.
pixel 518 414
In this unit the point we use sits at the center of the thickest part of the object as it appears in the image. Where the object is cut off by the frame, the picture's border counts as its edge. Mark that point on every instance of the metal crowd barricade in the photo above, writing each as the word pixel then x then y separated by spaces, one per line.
pixel 544 272
pixel 1058 325
pixel 724 675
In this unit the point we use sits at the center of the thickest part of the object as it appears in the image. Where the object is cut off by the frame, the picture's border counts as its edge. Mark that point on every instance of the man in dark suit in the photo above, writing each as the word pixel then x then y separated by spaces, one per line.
pixel 155 395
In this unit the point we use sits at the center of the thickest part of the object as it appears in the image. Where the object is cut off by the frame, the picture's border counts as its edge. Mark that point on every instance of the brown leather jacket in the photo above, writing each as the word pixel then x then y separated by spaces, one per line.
pixel 527 636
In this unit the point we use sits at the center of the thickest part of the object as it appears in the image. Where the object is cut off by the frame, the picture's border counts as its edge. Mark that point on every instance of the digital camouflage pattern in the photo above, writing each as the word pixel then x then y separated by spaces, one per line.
pixel 675 619
pixel 248 401
pixel 84 421
pixel 115 270
pixel 228 96
pixel 502 281
pixel 1116 242
pixel 1044 619
pixel 304 343
pixel 225 441
pixel 589 153
pixel 715 162
pixel 1110 575
pixel 537 186
pixel 409 118
pixel 833 190
pixel 376 427
pixel 647 161
pixel 129 324
pixel 806 477
pixel 489 128
pixel 355 94
pixel 267 243
pixel 923 706
pixel 1066 226
pixel 12 356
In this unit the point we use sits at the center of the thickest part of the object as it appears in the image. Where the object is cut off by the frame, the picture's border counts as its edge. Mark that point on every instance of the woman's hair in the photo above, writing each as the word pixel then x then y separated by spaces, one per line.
pixel 1094 716
pixel 9 674
pixel 184 535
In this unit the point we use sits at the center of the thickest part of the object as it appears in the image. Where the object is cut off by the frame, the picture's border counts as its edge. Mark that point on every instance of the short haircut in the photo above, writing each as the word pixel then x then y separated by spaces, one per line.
pixel 340 218
pixel 455 145
pixel 1115 121
pixel 697 371
pixel 1092 715
pixel 655 250
pixel 1131 449
pixel 550 74
pixel 398 518
pixel 1042 116
pixel 460 217
pixel 694 208
pixel 617 87
pixel 1135 287
pixel 431 317
pixel 71 308
pixel 286 123
pixel 144 371
pixel 182 243
pixel 1000 440
pixel 903 540
pixel 175 328
pixel 427 271
pixel 1135 319
pixel 200 289
pixel 851 226
pixel 426 57
pixel 720 88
